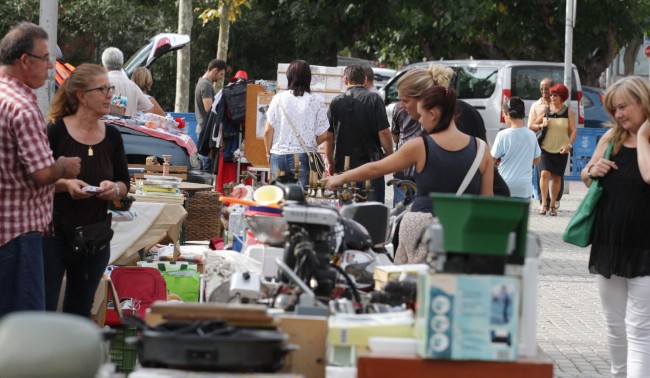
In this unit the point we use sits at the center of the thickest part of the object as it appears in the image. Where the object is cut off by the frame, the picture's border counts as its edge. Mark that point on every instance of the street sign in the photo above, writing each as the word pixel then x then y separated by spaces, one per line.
pixel 647 51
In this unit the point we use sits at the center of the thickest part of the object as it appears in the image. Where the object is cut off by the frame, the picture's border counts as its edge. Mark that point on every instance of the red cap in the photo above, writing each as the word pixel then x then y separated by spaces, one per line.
pixel 240 75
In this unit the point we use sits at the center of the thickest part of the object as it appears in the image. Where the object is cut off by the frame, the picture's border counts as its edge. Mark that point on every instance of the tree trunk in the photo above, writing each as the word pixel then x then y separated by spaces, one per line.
pixel 630 56
pixel 181 103
pixel 224 34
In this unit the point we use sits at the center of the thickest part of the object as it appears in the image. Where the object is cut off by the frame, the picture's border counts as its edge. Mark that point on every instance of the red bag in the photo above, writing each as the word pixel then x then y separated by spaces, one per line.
pixel 137 288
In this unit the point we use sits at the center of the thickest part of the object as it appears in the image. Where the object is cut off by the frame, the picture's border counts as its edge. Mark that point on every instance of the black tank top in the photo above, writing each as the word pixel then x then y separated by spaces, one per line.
pixel 443 172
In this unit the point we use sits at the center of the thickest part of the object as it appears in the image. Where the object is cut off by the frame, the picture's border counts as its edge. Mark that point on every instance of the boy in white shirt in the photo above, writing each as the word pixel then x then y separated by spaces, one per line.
pixel 517 149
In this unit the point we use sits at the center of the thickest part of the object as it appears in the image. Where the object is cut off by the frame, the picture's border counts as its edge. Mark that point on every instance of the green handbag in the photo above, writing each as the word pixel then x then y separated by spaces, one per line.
pixel 578 231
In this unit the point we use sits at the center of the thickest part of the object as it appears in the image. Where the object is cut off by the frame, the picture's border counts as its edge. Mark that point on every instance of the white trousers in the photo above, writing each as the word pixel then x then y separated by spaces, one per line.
pixel 626 309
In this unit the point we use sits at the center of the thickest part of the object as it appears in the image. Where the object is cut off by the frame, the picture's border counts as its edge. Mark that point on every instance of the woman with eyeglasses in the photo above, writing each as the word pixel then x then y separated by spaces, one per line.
pixel 76 129
pixel 559 122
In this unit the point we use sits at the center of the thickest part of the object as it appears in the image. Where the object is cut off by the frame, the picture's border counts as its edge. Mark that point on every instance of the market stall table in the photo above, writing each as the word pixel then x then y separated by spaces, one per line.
pixel 372 366
pixel 151 222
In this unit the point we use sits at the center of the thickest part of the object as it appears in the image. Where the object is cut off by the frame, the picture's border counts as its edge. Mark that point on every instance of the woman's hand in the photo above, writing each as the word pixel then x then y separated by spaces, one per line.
pixel 75 186
pixel 644 131
pixel 111 190
pixel 601 168
pixel 566 149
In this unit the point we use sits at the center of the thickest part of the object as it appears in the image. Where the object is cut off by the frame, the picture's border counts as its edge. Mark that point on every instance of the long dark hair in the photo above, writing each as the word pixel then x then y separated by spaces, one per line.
pixel 299 77
pixel 443 98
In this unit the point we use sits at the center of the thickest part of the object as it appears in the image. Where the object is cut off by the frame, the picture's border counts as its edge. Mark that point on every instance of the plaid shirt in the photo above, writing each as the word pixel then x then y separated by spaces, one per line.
pixel 24 149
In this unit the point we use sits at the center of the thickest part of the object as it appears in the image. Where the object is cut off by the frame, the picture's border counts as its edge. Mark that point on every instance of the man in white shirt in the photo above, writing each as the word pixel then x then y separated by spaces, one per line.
pixel 112 59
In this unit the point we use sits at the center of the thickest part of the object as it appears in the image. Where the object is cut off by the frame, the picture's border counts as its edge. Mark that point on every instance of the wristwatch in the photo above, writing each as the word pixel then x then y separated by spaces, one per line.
pixel 589 176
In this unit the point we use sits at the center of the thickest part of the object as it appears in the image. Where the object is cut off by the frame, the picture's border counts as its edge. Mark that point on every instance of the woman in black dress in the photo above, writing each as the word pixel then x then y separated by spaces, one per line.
pixel 77 130
pixel 620 251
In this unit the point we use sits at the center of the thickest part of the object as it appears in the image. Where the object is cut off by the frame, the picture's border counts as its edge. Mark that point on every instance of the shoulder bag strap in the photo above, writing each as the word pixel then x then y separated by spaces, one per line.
pixel 473 168
pixel 302 143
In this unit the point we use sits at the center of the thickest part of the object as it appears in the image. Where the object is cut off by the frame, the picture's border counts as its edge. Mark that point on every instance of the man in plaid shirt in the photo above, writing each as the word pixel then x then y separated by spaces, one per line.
pixel 27 168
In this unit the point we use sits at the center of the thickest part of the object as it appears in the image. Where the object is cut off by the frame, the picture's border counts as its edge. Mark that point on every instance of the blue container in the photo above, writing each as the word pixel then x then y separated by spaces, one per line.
pixel 586 141
pixel 190 124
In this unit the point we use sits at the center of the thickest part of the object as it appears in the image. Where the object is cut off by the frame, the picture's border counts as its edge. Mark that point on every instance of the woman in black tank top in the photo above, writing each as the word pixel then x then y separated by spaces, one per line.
pixel 437 110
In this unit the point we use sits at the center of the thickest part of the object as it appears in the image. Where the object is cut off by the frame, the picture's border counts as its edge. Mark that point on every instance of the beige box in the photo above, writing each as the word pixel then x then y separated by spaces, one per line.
pixel 386 273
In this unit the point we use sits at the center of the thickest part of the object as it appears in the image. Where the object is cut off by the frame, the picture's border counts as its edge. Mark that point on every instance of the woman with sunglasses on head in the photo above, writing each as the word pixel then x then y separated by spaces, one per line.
pixel 442 157
pixel 77 130
pixel 560 124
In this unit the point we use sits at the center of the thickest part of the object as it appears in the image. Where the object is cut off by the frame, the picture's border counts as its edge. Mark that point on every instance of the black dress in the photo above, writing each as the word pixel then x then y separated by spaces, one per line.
pixel 621 238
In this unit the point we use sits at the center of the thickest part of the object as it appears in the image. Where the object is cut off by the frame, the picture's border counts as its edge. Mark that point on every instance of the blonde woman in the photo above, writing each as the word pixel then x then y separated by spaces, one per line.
pixel 620 249
pixel 142 78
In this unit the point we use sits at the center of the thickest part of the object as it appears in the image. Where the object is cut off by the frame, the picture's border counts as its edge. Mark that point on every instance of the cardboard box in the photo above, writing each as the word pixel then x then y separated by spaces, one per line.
pixel 467 317
pixel 386 273
pixel 356 329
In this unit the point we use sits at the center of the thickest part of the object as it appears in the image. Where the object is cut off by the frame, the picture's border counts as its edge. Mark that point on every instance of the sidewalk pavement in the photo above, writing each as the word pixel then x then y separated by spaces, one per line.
pixel 570 327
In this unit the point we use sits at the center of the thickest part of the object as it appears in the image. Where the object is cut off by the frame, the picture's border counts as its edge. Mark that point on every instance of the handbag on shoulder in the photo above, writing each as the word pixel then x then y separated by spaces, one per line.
pixel 580 228
pixel 316 163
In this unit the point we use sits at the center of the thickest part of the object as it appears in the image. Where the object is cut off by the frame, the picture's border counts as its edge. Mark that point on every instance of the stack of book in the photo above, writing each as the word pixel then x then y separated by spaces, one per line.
pixel 159 189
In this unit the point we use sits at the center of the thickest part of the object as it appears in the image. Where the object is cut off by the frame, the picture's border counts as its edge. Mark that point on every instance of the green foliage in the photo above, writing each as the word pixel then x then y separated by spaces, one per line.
pixel 393 32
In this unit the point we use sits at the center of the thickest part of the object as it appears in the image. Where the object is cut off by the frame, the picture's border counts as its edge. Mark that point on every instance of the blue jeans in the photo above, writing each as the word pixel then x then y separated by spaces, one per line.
pixel 21 274
pixel 206 164
pixel 82 276
pixel 286 164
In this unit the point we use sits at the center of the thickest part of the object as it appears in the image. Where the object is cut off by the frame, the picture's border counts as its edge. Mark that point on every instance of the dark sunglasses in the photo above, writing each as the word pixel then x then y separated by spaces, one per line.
pixel 105 90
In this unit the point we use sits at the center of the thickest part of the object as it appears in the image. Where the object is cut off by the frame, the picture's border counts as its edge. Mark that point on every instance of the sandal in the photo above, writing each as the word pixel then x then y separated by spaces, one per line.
pixel 542 210
pixel 553 211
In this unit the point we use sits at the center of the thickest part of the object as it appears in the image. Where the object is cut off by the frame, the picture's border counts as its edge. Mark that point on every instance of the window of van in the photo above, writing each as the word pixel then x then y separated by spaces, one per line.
pixel 474 82
pixel 468 82
pixel 526 79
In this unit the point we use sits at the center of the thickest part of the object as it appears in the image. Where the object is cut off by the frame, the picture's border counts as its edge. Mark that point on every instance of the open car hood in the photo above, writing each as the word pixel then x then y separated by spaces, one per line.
pixel 157 47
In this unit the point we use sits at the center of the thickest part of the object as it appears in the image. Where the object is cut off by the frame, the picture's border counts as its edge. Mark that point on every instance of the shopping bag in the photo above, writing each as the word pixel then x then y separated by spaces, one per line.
pixel 578 231
pixel 184 282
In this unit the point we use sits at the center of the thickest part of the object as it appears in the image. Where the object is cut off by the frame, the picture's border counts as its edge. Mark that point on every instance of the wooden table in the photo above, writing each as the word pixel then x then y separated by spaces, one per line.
pixel 372 366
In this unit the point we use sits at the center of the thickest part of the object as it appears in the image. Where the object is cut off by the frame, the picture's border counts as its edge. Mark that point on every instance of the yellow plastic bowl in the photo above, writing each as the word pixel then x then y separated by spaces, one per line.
pixel 268 195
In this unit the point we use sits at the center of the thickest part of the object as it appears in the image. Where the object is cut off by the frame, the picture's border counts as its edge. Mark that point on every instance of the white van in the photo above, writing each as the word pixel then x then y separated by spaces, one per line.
pixel 485 83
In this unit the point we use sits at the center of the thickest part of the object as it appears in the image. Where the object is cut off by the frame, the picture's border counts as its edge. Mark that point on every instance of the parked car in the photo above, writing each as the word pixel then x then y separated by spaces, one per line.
pixel 156 47
pixel 139 145
pixel 382 76
pixel 595 112
pixel 484 84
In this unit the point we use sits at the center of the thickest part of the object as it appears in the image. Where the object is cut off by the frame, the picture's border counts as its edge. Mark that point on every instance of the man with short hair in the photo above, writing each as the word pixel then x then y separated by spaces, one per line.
pixel 359 125
pixel 27 168
pixel 204 96
pixel 136 101
pixel 370 79
pixel 204 92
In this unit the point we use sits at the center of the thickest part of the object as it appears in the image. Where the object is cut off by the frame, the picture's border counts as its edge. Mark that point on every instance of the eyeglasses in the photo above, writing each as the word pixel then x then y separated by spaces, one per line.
pixel 105 90
pixel 45 58
pixel 554 94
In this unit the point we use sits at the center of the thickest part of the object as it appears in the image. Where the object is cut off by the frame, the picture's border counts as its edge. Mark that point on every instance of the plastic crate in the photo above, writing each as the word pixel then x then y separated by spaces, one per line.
pixel 586 140
pixel 123 355
pixel 190 123
pixel 481 225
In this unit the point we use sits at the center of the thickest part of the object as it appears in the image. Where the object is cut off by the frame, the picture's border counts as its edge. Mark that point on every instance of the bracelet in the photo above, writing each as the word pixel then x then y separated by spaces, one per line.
pixel 589 176
pixel 570 145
